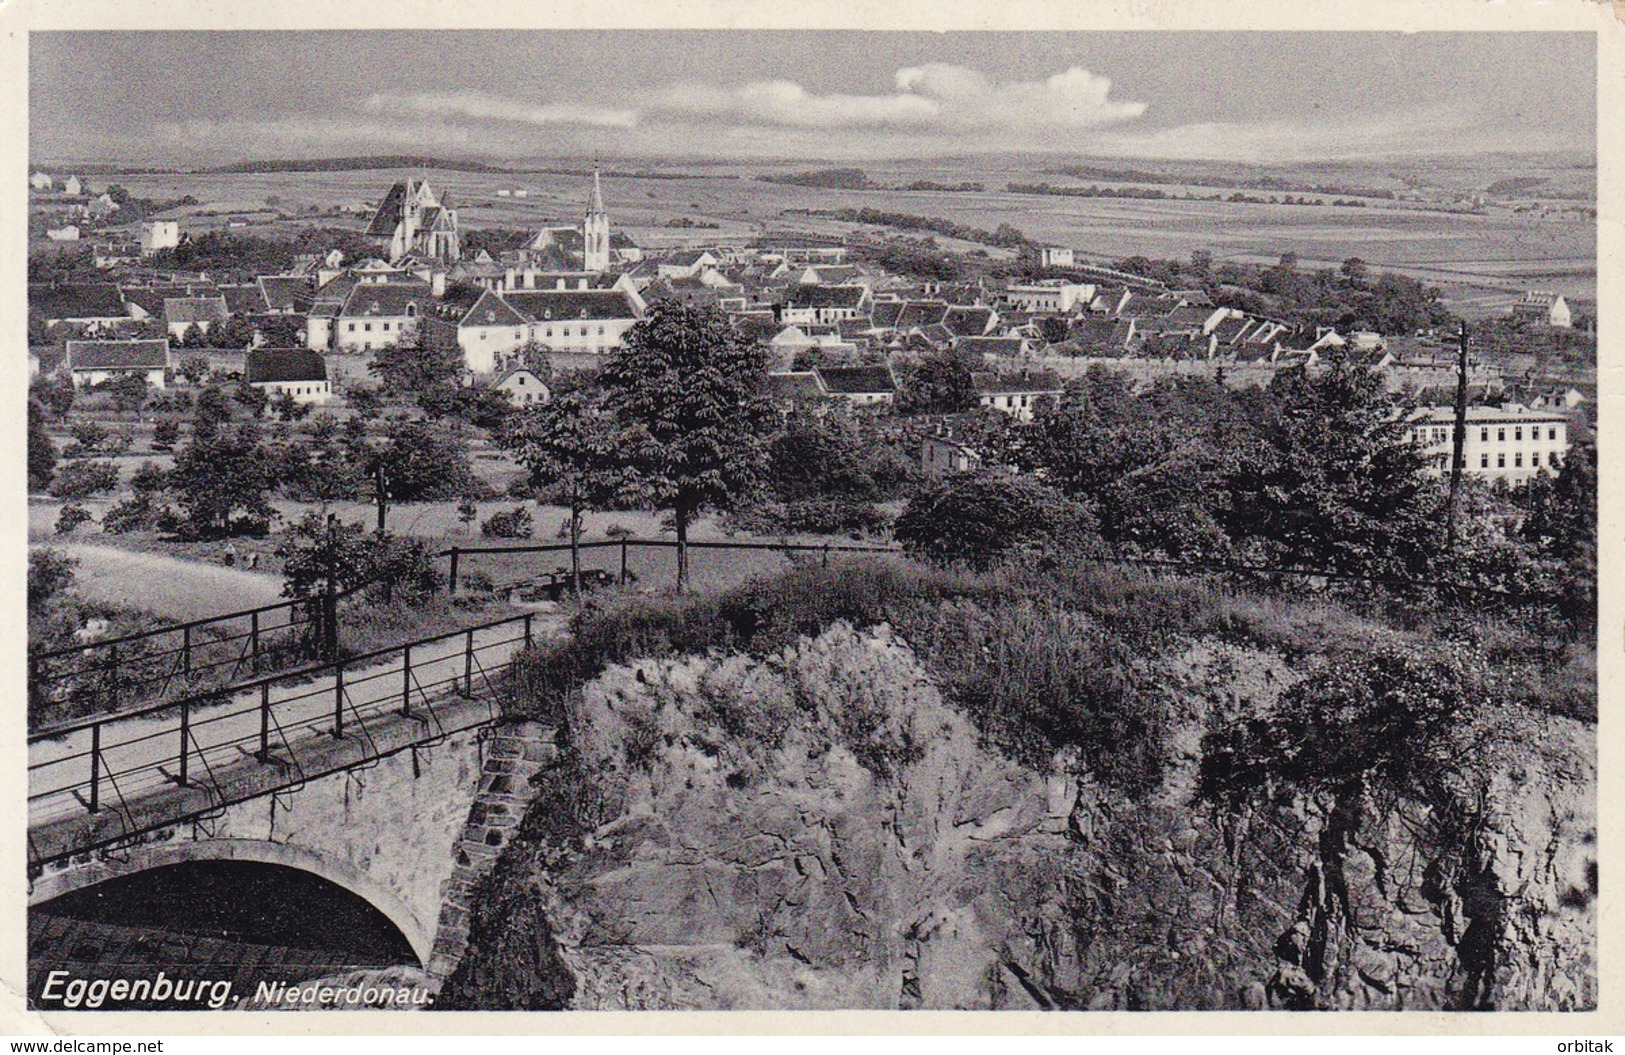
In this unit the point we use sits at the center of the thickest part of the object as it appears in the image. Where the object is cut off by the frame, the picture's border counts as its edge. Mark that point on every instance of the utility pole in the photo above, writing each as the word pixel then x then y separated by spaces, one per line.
pixel 380 493
pixel 1458 440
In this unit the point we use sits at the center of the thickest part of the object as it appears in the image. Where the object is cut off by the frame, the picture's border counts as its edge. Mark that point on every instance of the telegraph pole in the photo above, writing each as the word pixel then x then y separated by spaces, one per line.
pixel 1458 439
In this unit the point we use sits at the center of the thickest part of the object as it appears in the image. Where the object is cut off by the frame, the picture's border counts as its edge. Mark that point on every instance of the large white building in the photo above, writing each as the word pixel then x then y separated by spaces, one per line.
pixel 1510 442
pixel 159 234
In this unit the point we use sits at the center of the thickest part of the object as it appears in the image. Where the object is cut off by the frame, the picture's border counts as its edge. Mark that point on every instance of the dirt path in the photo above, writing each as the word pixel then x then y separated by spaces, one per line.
pixel 177 589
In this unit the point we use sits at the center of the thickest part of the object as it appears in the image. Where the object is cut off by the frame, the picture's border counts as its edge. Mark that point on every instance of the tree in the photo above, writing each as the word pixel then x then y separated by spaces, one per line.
pixel 942 383
pixel 164 434
pixel 221 481
pixel 56 393
pixel 83 479
pixel 1336 484
pixel 129 392
pixel 1354 271
pixel 252 398
pixel 686 389
pixel 365 400
pixel 194 368
pixel 979 518
pixel 322 556
pixel 426 371
pixel 423 462
pixel 41 451
pixel 1562 523
pixel 71 517
pixel 571 448
pixel 289 409
pixel 50 574
pixel 210 412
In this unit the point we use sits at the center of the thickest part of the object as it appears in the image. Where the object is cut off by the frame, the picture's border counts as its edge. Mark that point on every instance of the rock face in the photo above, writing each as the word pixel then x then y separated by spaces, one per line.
pixel 819 829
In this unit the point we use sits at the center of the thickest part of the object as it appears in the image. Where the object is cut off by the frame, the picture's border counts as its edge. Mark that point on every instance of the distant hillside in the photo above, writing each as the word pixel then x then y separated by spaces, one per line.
pixel 391 161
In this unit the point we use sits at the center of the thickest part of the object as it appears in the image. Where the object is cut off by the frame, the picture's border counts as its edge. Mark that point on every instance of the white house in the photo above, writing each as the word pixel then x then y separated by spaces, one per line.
pixel 1549 308
pixel 1510 442
pixel 1050 296
pixel 1054 256
pixel 97 362
pixel 524 388
pixel 72 186
pixel 298 372
pixel 159 234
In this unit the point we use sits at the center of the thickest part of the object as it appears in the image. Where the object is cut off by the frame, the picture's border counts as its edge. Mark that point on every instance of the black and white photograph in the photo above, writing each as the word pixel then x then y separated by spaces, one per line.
pixel 741 519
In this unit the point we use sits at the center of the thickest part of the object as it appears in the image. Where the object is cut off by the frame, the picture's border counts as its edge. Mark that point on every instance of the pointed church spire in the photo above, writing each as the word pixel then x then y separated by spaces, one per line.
pixel 595 204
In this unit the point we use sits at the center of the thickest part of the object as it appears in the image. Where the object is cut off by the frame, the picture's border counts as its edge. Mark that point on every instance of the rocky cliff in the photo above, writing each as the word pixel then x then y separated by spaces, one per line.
pixel 818 828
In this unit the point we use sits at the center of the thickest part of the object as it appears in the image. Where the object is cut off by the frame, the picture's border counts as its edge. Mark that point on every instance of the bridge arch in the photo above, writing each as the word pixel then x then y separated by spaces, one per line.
pixel 342 874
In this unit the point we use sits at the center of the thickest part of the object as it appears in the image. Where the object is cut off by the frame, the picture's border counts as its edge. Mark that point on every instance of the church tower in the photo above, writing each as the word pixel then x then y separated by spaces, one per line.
pixel 595 231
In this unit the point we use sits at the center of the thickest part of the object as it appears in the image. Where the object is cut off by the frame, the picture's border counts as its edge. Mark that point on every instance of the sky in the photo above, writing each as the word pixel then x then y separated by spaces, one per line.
pixel 216 98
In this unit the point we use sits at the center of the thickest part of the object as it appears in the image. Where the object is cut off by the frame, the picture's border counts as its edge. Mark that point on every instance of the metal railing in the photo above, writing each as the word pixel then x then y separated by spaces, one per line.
pixel 95 783
pixel 107 674
pixel 627 545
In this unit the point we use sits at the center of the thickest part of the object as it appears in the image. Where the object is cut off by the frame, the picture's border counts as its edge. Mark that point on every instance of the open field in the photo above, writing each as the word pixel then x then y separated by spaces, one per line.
pixel 1479 258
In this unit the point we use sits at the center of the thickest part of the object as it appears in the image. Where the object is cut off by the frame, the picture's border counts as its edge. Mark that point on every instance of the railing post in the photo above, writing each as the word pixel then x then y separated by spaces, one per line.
pixel 406 680
pixel 528 617
pixel 468 666
pixel 186 650
pixel 254 640
pixel 451 584
pixel 112 661
pixel 95 767
pixel 186 737
pixel 338 702
pixel 265 721
pixel 330 626
pixel 826 554
pixel 623 560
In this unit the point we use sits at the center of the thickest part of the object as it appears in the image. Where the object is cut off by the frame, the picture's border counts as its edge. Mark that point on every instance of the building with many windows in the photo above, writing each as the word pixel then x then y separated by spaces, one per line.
pixel 1510 442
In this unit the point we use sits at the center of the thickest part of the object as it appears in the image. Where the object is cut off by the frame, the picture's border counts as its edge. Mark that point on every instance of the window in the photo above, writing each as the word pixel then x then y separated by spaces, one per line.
pixel 1551 434
pixel 1483 461
pixel 1534 459
pixel 386 327
pixel 1500 461
pixel 1500 435
pixel 349 328
pixel 1483 435
pixel 1517 460
pixel 1517 434
pixel 367 326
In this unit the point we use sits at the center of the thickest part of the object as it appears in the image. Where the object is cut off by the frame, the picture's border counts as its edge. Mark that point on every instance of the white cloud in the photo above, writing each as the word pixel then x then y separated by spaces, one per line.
pixel 483 106
pixel 937 96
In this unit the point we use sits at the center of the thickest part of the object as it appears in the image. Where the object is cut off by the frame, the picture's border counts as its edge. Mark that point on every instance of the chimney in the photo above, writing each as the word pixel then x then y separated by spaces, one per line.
pixel 558 284
pixel 437 283
pixel 511 279
pixel 530 278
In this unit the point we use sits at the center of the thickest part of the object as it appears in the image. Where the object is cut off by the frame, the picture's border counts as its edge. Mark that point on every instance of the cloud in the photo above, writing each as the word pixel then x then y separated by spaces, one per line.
pixel 1434 129
pixel 483 106
pixel 936 96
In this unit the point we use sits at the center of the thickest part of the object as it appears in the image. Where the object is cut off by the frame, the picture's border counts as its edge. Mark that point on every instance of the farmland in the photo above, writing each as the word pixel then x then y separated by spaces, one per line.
pixel 1481 247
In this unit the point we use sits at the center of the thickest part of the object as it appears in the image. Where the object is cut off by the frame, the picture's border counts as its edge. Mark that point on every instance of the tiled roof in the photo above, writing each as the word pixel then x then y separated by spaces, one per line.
pixel 283 364
pixel 389 212
pixel 989 383
pixel 243 300
pixel 921 313
pixel 796 384
pixel 118 355
pixel 857 380
pixel 284 292
pixel 492 310
pixel 968 321
pixel 195 309
pixel 851 297
pixel 545 305
pixel 991 345
pixel 76 300
pixel 386 299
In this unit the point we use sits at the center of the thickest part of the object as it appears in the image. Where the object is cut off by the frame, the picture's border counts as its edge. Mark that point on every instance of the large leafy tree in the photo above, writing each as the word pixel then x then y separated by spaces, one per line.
pixel 221 481
pixel 427 373
pixel 41 451
pixel 943 382
pixel 571 448
pixel 687 389
pixel 1336 483
pixel 1562 524
pixel 980 518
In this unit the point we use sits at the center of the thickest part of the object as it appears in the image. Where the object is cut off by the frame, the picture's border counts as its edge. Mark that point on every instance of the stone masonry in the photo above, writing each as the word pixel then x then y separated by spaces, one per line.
pixel 514 753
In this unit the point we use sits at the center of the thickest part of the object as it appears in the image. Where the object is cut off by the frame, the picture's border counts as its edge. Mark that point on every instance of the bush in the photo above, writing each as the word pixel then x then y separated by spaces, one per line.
pixel 815 516
pixel 977 519
pixel 513 523
pixel 164 435
pixel 71 517
pixel 82 479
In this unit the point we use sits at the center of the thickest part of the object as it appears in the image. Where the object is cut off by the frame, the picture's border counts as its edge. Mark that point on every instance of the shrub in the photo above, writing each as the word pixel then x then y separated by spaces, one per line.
pixel 512 523
pixel 71 517
pixel 82 479
pixel 164 435
pixel 977 519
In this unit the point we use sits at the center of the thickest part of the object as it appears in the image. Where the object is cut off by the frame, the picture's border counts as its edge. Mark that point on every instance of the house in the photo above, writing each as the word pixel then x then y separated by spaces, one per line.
pixel 78 303
pixel 523 387
pixel 1548 308
pixel 1017 395
pixel 862 386
pixel 159 234
pixel 1511 442
pixel 686 264
pixel 380 315
pixel 72 187
pixel 1003 347
pixel 825 304
pixel 795 248
pixel 487 330
pixel 1052 296
pixel 411 220
pixel 182 313
pixel 943 453
pixel 286 294
pixel 1054 256
pixel 577 327
pixel 70 233
pixel 791 389
pixel 107 255
pixel 41 181
pixel 97 362
pixel 297 372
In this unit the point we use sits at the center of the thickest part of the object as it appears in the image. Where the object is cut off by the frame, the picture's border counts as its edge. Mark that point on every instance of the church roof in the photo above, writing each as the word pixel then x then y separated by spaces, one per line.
pixel 389 211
